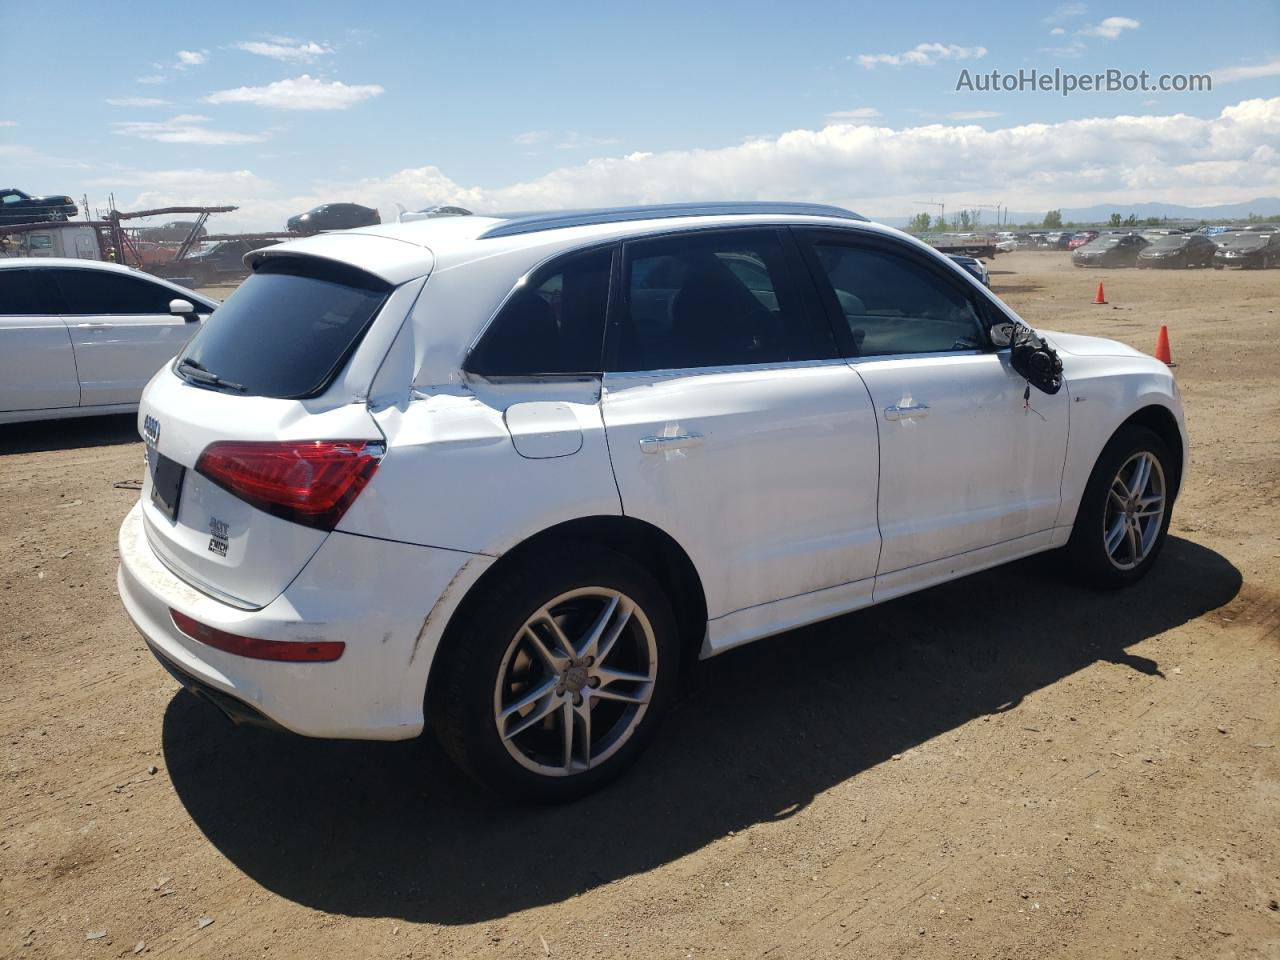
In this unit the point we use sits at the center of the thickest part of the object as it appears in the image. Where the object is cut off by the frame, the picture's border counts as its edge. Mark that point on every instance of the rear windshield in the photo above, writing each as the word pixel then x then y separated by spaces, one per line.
pixel 286 331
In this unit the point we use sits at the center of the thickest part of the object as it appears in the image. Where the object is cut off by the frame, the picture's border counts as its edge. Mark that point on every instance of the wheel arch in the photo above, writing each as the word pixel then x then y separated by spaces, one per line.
pixel 1159 420
pixel 645 543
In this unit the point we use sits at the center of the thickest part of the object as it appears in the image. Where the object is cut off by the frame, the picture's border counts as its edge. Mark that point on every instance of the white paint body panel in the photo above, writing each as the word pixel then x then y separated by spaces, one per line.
pixel 263 552
pixel 374 691
pixel 778 498
pixel 37 366
pixel 979 468
pixel 778 482
pixel 117 355
pixel 452 476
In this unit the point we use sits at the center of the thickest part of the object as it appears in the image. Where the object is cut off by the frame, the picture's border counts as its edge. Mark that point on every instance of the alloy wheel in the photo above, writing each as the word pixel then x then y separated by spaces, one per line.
pixel 1134 513
pixel 575 682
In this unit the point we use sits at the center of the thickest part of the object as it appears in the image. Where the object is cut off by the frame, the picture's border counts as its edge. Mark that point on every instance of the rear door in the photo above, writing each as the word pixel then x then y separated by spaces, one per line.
pixel 122 331
pixel 965 461
pixel 732 422
pixel 37 365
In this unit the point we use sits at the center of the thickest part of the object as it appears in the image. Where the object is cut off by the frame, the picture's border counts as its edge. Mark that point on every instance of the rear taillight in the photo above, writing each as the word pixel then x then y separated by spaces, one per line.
pixel 312 482
pixel 290 651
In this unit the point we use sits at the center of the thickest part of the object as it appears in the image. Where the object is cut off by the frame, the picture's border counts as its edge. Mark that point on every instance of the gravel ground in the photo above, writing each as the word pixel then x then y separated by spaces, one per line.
pixel 1006 766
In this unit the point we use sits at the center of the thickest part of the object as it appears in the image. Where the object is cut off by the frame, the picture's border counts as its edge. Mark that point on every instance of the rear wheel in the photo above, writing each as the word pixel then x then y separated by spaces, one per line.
pixel 557 679
pixel 1125 511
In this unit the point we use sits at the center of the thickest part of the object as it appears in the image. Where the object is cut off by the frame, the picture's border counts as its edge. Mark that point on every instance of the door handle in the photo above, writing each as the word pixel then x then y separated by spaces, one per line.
pixel 93 326
pixel 679 442
pixel 915 411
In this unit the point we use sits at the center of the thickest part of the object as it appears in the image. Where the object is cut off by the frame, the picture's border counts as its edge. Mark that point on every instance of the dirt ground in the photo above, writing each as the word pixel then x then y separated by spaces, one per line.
pixel 1005 767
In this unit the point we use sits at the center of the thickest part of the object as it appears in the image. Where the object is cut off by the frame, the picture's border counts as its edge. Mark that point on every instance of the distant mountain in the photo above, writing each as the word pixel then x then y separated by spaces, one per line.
pixel 1100 212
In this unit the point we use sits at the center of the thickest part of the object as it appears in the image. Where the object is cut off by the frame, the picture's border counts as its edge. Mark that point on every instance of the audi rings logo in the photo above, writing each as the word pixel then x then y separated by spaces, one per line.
pixel 151 430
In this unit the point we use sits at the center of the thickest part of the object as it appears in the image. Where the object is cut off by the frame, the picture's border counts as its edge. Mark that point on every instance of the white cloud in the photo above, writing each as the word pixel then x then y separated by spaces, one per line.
pixel 876 169
pixel 300 93
pixel 565 141
pixel 1253 72
pixel 856 115
pixel 286 49
pixel 1056 32
pixel 8 123
pixel 922 55
pixel 190 58
pixel 186 128
pixel 973 115
pixel 1066 11
pixel 1111 27
pixel 137 102
pixel 577 141
pixel 151 78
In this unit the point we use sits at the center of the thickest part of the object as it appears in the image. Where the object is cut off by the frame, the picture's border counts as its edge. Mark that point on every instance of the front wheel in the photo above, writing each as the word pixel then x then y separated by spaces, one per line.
pixel 1124 514
pixel 559 676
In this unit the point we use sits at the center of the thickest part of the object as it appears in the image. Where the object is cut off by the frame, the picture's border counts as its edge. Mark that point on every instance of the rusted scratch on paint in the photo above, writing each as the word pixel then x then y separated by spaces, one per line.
pixel 417 642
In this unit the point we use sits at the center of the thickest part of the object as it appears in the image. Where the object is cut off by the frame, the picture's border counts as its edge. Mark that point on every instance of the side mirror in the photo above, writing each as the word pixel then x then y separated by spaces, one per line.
pixel 1035 360
pixel 1001 333
pixel 183 308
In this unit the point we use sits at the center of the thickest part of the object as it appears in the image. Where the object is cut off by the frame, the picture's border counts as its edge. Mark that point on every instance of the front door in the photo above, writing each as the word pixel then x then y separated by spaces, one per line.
pixel 968 459
pixel 122 331
pixel 734 424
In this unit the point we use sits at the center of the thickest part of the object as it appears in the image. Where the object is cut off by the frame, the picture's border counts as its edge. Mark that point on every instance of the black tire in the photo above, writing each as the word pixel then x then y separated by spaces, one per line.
pixel 461 701
pixel 1086 551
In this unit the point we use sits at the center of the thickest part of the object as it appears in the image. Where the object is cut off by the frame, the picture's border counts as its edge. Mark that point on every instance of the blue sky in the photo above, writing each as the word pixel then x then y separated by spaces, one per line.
pixel 277 106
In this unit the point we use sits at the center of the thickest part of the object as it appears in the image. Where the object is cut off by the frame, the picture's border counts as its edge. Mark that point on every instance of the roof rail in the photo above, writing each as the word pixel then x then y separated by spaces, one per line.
pixel 556 219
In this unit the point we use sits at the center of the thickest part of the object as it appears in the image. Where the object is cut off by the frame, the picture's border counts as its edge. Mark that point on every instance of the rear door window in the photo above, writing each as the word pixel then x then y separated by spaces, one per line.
pixel 554 324
pixel 289 328
pixel 98 292
pixel 25 293
pixel 715 299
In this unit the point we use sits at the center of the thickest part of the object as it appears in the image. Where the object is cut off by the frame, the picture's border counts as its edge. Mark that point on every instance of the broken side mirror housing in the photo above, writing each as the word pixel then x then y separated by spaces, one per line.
pixel 1001 334
pixel 1036 361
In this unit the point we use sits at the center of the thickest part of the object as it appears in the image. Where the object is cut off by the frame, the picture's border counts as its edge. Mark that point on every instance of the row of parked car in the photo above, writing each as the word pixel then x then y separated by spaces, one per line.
pixel 1254 247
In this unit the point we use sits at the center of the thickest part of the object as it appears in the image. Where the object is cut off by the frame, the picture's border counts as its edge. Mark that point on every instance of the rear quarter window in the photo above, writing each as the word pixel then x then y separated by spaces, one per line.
pixel 289 328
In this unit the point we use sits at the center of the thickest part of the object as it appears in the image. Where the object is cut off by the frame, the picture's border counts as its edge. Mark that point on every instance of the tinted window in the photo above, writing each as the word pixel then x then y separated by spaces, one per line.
pixel 27 292
pixel 289 327
pixel 97 291
pixel 714 299
pixel 554 324
pixel 894 304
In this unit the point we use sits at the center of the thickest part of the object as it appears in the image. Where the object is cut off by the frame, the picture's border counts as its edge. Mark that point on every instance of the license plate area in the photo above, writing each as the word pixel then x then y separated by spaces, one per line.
pixel 166 483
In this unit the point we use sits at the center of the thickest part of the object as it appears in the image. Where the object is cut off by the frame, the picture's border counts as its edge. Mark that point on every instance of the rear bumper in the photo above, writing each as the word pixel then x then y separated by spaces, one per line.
pixel 389 602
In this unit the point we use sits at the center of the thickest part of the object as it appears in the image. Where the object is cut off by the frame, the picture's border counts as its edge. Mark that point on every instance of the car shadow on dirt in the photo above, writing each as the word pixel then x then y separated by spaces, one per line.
pixel 69 434
pixel 377 829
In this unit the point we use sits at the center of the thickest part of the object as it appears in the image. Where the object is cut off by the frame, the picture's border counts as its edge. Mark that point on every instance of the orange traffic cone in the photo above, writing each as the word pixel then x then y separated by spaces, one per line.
pixel 1162 346
pixel 1100 297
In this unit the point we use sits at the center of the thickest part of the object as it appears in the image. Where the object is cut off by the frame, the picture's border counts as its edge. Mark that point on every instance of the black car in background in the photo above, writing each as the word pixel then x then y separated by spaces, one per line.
pixel 1178 250
pixel 1247 248
pixel 19 207
pixel 1110 250
pixel 333 216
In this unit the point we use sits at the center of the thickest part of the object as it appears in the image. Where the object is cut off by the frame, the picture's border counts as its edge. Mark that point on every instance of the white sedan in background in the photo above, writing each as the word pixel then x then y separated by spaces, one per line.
pixel 82 338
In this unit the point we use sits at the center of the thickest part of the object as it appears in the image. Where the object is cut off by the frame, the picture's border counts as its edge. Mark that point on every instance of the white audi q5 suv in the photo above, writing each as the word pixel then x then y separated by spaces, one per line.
pixel 504 474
